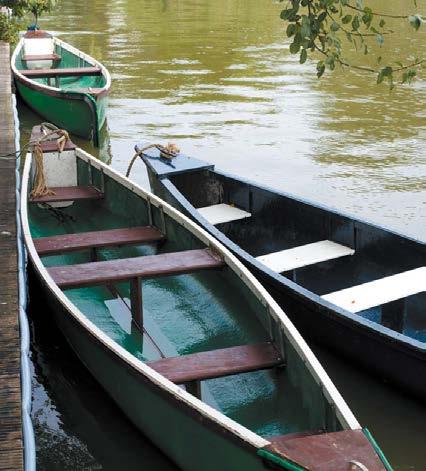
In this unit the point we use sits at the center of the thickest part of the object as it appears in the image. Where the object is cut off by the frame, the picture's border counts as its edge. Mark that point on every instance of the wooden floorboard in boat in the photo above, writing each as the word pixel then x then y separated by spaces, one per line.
pixel 328 451
pixel 149 266
pixel 84 240
pixel 217 363
pixel 69 193
pixel 11 450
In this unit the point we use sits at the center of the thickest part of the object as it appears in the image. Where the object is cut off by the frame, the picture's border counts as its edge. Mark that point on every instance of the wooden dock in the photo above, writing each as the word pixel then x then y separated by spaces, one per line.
pixel 11 448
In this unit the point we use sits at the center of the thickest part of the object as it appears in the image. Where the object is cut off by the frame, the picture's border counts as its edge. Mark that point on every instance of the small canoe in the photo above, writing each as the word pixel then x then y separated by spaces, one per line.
pixel 61 83
pixel 349 284
pixel 183 338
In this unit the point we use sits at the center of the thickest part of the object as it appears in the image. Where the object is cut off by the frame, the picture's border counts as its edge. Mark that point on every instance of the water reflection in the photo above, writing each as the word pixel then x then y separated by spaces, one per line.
pixel 218 78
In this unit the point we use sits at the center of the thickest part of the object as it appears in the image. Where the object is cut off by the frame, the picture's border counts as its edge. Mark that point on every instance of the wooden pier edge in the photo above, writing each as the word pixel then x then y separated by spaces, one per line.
pixel 11 440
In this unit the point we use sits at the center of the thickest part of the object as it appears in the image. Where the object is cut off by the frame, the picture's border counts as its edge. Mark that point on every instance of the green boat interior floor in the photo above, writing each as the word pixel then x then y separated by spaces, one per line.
pixel 182 315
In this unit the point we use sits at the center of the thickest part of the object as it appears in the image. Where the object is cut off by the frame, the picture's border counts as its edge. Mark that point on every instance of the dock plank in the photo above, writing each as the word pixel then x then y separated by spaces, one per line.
pixel 11 449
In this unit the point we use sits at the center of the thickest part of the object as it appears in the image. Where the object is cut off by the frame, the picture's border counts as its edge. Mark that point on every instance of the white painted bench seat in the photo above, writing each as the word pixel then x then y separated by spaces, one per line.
pixel 378 292
pixel 220 213
pixel 304 255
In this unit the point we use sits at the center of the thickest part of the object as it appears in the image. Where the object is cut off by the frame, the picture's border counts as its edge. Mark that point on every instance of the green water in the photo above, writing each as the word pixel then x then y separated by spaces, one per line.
pixel 216 77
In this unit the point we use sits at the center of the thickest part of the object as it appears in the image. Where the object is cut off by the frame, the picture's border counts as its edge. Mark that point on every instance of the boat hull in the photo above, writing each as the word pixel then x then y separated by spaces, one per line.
pixel 78 113
pixel 390 356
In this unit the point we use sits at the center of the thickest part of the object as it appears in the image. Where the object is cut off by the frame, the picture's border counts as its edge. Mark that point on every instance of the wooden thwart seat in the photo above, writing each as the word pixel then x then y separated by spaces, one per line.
pixel 69 193
pixel 304 255
pixel 149 266
pixel 68 72
pixel 86 240
pixel 134 270
pixel 41 57
pixel 220 213
pixel 218 363
pixel 378 292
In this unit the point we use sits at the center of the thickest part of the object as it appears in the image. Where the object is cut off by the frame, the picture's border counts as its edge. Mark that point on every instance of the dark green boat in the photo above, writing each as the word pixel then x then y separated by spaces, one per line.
pixel 183 338
pixel 61 83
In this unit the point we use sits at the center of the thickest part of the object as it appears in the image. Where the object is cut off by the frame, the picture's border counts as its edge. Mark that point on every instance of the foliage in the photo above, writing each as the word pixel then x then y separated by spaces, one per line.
pixel 37 7
pixel 9 27
pixel 326 26
pixel 18 7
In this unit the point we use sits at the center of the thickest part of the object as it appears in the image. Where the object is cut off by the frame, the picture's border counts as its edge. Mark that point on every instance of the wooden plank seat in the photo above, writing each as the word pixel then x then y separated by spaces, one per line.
pixel 41 57
pixel 68 72
pixel 220 213
pixel 149 266
pixel 195 367
pixel 304 255
pixel 95 239
pixel 375 293
pixel 134 270
pixel 69 193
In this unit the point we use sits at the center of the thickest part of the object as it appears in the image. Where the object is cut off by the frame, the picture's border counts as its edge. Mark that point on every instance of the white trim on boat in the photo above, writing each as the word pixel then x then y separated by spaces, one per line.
pixel 69 48
pixel 375 293
pixel 304 255
pixel 343 412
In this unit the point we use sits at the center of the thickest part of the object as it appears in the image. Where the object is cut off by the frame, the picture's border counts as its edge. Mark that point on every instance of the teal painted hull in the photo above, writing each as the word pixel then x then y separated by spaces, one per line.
pixel 78 113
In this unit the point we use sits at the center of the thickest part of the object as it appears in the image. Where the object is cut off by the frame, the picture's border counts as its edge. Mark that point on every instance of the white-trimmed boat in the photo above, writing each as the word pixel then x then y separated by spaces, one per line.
pixel 64 85
pixel 184 339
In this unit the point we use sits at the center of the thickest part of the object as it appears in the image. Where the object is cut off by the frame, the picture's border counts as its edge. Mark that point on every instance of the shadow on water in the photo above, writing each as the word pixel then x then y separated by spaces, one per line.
pixel 77 426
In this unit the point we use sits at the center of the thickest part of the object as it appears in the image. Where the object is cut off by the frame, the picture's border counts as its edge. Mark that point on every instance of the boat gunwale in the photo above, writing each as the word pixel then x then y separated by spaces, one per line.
pixel 55 91
pixel 401 339
pixel 331 394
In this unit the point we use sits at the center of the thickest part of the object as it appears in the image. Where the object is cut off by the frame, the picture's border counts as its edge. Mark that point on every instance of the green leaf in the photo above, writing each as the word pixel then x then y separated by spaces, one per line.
pixel 291 29
pixel 322 16
pixel 303 56
pixel 415 21
pixel 355 23
pixel 334 27
pixel 380 39
pixel 382 23
pixel 330 62
pixel 320 69
pixel 385 72
pixel 294 47
pixel 346 19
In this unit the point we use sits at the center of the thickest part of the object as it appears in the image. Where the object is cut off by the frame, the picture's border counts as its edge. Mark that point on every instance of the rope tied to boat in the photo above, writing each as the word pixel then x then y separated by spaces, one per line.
pixel 50 133
pixel 166 152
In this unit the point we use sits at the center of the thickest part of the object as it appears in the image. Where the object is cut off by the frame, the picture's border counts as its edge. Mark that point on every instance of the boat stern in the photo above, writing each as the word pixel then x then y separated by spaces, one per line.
pixel 161 167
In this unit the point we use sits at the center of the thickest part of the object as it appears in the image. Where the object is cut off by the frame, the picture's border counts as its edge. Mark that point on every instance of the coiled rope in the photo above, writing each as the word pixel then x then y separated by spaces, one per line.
pixel 50 133
pixel 167 152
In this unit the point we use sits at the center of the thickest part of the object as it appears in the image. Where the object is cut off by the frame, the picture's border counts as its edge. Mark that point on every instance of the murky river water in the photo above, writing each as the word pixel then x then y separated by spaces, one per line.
pixel 216 77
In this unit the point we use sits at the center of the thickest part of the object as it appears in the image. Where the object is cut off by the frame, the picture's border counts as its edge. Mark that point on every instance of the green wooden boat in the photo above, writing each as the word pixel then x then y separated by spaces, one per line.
pixel 179 333
pixel 61 83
